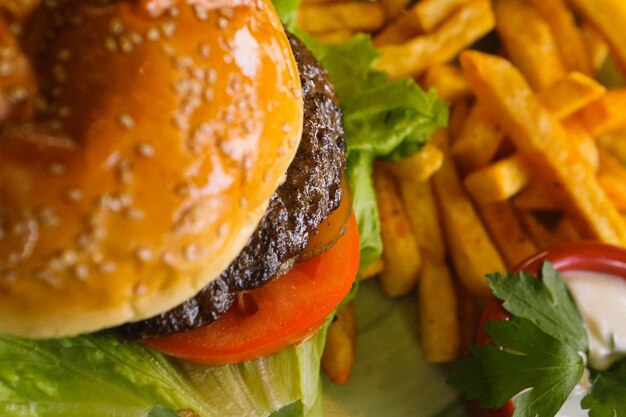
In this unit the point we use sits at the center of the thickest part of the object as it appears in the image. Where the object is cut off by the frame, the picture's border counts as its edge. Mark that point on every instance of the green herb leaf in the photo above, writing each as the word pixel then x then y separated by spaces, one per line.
pixel 530 360
pixel 607 397
pixel 382 119
pixel 546 302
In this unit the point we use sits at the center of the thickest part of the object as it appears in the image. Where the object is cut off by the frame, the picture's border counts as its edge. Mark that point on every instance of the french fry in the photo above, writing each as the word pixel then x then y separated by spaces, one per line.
pixel 431 13
pixel 471 249
pixel 615 143
pixel 401 29
pixel 615 188
pixel 478 141
pixel 507 232
pixel 336 36
pixel 458 114
pixel 542 140
pixel 607 113
pixel 394 7
pixel 449 82
pixel 566 34
pixel 529 42
pixel 353 16
pixel 612 178
pixel 400 250
pixel 420 166
pixel 421 207
pixel 537 196
pixel 597 47
pixel 438 312
pixel 609 17
pixel 498 181
pixel 548 228
pixel 571 94
pixel 371 270
pixel 464 27
pixel 340 349
pixel 583 142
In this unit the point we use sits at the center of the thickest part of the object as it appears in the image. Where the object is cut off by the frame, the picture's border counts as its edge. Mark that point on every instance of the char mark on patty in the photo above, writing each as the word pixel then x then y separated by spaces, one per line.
pixel 311 191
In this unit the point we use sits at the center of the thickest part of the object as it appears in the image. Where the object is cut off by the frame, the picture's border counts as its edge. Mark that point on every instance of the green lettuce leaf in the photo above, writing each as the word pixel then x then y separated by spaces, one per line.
pixel 100 376
pixel 382 119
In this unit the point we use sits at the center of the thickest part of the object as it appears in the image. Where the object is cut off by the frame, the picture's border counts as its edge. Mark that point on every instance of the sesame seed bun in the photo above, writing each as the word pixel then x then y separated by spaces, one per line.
pixel 145 163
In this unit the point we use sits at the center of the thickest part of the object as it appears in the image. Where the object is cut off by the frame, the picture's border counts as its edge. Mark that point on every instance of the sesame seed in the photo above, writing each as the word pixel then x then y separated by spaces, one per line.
pixel 64 55
pixel 168 50
pixel 126 45
pixel 243 202
pixel 64 112
pixel 14 258
pixel 200 12
pixel 191 252
pixel 208 95
pixel 6 68
pixel 107 267
pixel 222 22
pixel 57 168
pixel 49 278
pixel 182 189
pixel 168 258
pixel 204 50
pixel 146 150
pixel 84 241
pixel 182 62
pixel 110 44
pixel 140 289
pixel 81 271
pixel 126 121
pixel 16 29
pixel 74 194
pixel 136 38
pixel 59 73
pixel 153 34
pixel 17 94
pixel 49 217
pixel 227 12
pixel 143 254
pixel 286 128
pixel 173 12
pixel 134 213
pixel 116 26
pixel 19 229
pixel 69 257
pixel 222 230
pixel 124 171
pixel 168 29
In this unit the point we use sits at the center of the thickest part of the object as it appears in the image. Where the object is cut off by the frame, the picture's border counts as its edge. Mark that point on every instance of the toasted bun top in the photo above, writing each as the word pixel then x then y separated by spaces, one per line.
pixel 139 146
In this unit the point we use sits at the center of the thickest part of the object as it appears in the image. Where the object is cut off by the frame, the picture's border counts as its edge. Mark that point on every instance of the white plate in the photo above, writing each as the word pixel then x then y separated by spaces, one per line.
pixel 390 376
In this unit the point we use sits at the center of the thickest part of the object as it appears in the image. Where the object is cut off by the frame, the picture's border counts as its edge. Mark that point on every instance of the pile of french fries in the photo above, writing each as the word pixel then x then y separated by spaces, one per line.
pixel 534 154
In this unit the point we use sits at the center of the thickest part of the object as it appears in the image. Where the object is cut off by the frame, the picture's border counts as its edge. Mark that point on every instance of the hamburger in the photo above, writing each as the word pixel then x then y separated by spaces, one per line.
pixel 164 166
pixel 175 228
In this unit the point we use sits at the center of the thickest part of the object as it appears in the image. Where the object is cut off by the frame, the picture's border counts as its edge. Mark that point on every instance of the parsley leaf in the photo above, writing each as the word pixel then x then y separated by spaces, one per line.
pixel 531 360
pixel 535 355
pixel 546 302
pixel 607 397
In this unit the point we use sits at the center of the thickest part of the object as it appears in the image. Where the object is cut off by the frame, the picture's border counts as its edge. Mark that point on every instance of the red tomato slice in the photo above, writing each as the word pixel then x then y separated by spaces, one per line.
pixel 279 314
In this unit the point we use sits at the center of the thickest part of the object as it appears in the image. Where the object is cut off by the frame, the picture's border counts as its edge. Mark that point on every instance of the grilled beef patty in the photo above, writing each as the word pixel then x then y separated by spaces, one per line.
pixel 309 194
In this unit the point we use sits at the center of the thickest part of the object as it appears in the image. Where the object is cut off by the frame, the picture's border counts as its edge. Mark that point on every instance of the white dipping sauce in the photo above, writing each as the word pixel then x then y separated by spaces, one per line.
pixel 601 300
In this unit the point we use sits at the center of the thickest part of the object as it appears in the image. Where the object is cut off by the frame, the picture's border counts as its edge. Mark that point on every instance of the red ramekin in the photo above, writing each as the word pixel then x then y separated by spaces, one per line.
pixel 579 256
